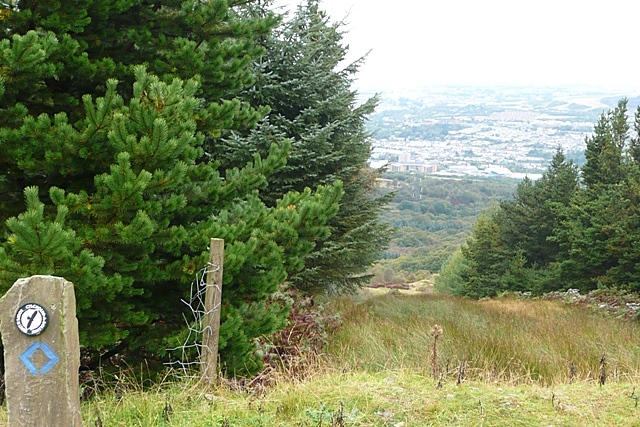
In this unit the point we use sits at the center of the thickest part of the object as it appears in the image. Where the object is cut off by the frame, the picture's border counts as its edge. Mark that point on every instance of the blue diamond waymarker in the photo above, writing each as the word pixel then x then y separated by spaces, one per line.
pixel 51 355
pixel 42 362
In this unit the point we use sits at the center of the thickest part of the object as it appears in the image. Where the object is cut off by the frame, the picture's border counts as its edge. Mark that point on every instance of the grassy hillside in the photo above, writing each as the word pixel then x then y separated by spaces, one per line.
pixel 509 340
pixel 503 362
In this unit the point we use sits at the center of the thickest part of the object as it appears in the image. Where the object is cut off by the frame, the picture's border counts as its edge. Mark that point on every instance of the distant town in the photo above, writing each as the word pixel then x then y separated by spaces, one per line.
pixel 467 131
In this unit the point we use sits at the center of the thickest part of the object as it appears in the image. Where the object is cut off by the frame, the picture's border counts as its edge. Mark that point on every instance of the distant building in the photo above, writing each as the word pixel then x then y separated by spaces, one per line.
pixel 414 167
pixel 464 169
pixel 404 157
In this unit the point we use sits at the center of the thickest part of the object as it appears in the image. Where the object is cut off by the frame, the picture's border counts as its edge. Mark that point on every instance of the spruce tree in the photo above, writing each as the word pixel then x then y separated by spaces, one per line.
pixel 513 247
pixel 599 227
pixel 531 218
pixel 302 78
pixel 487 258
pixel 604 149
pixel 107 118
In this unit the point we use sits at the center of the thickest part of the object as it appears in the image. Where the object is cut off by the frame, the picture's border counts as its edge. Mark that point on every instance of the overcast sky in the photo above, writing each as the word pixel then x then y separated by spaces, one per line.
pixel 487 42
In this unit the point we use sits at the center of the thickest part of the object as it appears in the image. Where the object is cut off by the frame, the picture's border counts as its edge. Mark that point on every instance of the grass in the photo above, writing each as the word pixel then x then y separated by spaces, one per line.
pixel 506 340
pixel 377 371
pixel 400 398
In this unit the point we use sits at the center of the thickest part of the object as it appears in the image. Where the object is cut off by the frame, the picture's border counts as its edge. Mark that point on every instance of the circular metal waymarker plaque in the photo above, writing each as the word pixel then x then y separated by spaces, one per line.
pixel 32 319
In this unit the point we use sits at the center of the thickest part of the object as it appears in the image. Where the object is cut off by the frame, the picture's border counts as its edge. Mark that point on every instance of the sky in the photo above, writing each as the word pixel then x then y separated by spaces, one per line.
pixel 413 43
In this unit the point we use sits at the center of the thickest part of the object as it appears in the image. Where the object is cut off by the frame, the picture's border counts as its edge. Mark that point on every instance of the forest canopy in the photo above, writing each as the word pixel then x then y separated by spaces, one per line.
pixel 134 131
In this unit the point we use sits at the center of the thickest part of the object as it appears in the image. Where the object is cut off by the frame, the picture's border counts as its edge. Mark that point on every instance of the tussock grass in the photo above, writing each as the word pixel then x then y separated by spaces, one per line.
pixel 506 340
pixel 377 371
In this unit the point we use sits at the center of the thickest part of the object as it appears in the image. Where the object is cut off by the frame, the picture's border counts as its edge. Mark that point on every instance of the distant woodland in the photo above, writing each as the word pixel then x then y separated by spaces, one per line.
pixel 431 218
pixel 575 228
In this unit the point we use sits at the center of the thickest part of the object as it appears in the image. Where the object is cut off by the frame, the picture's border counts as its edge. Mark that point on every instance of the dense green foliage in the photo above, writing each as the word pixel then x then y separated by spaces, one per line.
pixel 111 118
pixel 566 230
pixel 301 77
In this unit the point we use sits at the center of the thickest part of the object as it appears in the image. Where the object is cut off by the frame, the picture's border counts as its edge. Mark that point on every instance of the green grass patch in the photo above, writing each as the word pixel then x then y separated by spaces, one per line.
pixel 400 398
pixel 378 371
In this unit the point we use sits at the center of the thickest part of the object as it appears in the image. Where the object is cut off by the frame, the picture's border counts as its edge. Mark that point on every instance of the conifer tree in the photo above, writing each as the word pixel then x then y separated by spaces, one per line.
pixel 604 149
pixel 585 256
pixel 634 145
pixel 623 231
pixel 108 114
pixel 512 248
pixel 487 258
pixel 302 78
pixel 531 218
pixel 450 279
pixel 595 216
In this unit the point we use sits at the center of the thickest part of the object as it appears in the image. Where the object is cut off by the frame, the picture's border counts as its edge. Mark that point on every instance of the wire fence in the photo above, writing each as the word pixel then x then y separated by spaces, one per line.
pixel 187 358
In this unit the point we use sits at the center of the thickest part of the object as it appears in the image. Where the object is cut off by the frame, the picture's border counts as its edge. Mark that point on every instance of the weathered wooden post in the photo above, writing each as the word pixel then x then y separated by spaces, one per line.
pixel 211 321
pixel 41 353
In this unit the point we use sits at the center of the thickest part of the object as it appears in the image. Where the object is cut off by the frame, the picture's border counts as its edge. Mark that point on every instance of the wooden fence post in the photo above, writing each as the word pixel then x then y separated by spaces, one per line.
pixel 211 321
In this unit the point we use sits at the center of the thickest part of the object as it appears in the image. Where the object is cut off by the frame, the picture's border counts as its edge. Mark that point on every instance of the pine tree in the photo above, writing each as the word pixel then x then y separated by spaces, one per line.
pixel 604 151
pixel 531 218
pixel 486 256
pixel 513 247
pixel 312 104
pixel 598 227
pixel 122 191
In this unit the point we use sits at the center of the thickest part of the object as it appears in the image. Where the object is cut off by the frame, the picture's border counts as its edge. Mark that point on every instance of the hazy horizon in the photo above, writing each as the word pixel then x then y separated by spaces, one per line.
pixel 488 43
